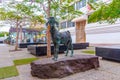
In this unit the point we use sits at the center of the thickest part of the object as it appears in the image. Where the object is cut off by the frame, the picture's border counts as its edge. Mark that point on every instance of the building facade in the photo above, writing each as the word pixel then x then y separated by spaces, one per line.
pixel 96 33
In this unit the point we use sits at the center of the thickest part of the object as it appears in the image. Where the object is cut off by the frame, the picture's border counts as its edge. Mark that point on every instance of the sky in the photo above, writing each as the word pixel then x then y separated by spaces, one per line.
pixel 19 0
pixel 4 29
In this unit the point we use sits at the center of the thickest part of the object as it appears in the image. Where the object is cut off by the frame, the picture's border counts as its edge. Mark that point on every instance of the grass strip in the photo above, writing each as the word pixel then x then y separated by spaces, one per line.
pixel 24 61
pixel 89 51
pixel 7 72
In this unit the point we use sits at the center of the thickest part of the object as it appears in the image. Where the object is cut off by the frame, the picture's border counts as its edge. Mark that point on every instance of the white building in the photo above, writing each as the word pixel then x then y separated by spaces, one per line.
pixel 96 33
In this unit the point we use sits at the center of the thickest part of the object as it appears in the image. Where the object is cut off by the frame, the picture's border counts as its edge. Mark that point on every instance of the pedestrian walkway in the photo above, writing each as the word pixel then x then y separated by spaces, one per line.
pixel 5 57
pixel 108 70
pixel 23 53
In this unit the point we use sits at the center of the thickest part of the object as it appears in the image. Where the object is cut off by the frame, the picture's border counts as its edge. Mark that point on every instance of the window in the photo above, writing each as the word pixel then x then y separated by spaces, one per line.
pixel 80 4
pixel 70 24
pixel 63 25
pixel 67 24
pixel 83 3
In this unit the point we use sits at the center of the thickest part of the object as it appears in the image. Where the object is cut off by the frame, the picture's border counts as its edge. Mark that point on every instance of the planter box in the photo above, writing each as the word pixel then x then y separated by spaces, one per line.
pixel 24 45
pixel 109 52
pixel 1 41
pixel 42 49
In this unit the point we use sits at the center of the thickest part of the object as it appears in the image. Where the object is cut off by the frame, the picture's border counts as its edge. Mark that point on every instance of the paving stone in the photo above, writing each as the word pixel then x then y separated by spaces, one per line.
pixel 5 57
pixel 13 78
pixel 20 54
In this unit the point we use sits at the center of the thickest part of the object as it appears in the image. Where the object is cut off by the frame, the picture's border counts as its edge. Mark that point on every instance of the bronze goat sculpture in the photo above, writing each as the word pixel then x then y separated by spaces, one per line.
pixel 59 38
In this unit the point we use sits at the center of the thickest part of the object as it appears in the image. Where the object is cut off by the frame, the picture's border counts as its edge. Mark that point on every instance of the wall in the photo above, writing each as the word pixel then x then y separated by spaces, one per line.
pixel 103 33
pixel 97 33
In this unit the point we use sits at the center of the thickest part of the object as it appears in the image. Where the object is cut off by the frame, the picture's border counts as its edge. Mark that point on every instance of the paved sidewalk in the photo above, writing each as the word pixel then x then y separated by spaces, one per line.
pixel 23 53
pixel 108 70
pixel 5 57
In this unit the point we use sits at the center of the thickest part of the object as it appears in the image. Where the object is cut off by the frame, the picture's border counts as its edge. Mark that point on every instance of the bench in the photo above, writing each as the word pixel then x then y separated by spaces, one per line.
pixel 109 52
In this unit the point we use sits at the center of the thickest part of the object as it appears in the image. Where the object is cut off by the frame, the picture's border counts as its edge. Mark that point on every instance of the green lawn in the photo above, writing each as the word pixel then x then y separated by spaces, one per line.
pixel 89 51
pixel 24 61
pixel 9 71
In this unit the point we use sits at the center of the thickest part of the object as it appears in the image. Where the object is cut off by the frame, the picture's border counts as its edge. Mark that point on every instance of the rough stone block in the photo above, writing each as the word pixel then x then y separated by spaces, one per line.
pixel 47 68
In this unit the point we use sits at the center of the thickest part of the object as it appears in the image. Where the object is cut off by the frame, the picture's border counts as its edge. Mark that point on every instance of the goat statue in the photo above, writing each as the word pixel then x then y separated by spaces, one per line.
pixel 59 38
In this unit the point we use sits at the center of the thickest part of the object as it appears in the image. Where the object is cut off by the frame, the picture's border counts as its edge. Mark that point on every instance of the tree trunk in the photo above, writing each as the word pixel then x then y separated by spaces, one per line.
pixel 48 42
pixel 48 33
pixel 24 37
pixel 21 34
pixel 35 37
pixel 17 36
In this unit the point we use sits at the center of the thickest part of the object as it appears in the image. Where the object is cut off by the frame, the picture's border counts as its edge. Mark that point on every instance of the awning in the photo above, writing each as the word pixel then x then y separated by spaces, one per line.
pixel 82 17
pixel 79 19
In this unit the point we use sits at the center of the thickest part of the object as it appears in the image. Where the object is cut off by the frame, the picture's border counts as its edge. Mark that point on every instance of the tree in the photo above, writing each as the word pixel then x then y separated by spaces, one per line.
pixel 60 9
pixel 106 13
pixel 2 34
pixel 10 15
pixel 19 13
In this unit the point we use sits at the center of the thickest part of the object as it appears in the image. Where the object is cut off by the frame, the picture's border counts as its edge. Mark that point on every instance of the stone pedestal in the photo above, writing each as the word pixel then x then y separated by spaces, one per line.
pixel 47 68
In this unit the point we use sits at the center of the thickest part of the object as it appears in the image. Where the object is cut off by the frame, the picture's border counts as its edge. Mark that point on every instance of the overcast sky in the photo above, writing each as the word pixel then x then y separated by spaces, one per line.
pixel 4 29
pixel 19 0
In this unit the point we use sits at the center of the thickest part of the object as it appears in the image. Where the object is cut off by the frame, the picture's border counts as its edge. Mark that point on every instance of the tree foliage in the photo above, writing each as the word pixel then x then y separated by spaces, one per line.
pixel 64 10
pixel 20 14
pixel 60 9
pixel 106 13
pixel 3 33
